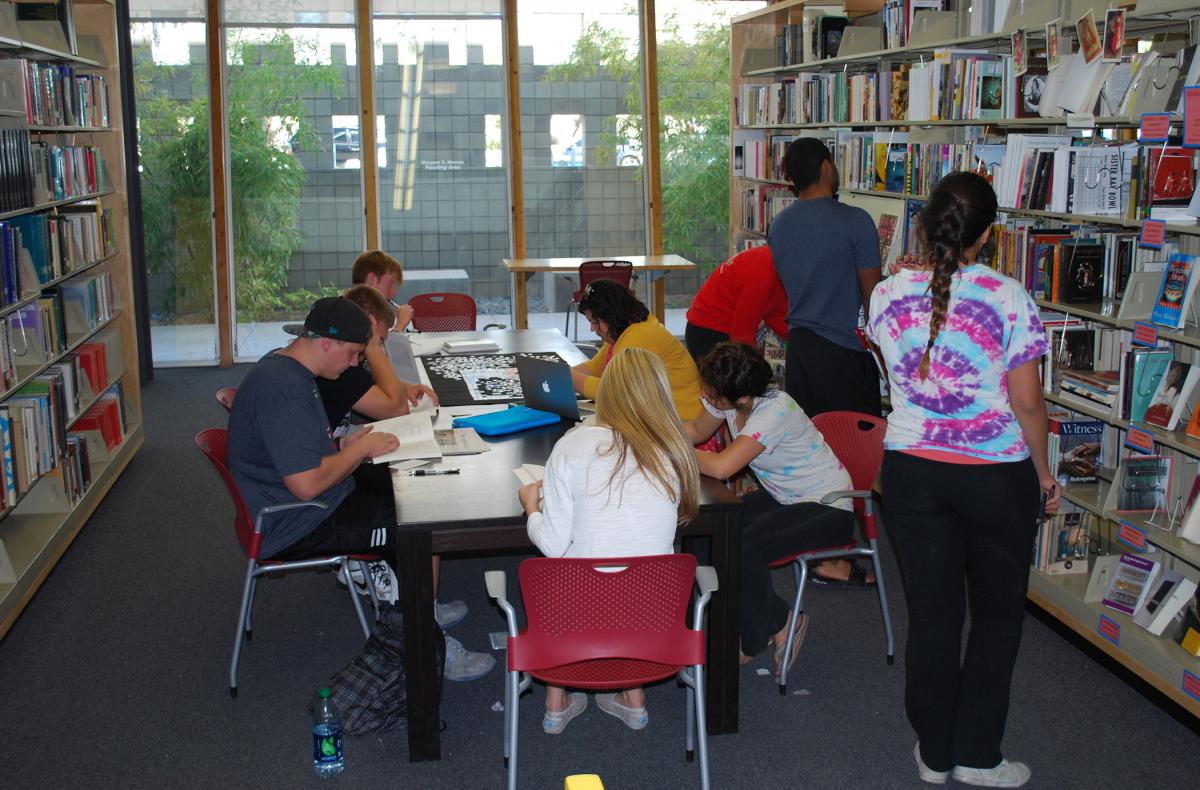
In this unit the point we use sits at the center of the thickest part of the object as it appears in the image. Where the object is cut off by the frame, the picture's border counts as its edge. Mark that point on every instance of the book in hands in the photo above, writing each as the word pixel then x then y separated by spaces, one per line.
pixel 529 473
pixel 415 432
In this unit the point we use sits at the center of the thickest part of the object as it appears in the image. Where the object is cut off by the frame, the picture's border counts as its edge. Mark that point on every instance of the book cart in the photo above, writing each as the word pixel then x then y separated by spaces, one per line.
pixel 868 99
pixel 70 404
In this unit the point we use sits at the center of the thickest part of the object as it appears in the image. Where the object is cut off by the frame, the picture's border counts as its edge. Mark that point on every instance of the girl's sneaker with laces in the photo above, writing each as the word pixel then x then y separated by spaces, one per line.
pixel 1005 774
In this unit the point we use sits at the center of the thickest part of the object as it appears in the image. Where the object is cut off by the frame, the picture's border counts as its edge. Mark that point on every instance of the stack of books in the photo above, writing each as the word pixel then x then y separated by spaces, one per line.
pixel 1093 389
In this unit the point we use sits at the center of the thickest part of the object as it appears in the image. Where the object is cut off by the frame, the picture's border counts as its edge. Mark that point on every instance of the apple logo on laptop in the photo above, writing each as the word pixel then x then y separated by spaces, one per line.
pixel 546 387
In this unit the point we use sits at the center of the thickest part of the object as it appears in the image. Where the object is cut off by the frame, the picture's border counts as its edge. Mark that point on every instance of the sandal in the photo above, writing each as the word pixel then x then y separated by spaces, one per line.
pixel 857 578
pixel 800 632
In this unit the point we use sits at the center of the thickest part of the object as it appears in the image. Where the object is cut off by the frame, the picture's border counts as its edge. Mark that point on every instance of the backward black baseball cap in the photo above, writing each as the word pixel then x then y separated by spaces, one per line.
pixel 336 318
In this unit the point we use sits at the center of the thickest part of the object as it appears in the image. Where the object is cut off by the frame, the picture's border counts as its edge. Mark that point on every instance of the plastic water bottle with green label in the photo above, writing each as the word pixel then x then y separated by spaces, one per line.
pixel 328 759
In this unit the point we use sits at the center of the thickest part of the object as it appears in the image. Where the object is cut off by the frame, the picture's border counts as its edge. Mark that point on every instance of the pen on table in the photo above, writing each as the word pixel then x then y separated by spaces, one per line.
pixel 428 472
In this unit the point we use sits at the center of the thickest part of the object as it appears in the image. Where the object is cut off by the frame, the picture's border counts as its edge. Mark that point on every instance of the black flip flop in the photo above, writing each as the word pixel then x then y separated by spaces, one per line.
pixel 858 578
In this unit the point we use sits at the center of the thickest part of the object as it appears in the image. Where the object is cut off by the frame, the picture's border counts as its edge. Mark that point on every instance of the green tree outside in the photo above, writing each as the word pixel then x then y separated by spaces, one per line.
pixel 267 123
pixel 693 79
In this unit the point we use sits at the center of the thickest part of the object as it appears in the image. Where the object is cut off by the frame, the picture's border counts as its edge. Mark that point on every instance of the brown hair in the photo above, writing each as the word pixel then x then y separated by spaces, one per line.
pixel 372 303
pixel 378 263
pixel 961 208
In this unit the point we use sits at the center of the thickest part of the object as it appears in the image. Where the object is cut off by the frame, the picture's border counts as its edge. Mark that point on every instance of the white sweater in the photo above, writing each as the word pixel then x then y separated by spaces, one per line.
pixel 582 517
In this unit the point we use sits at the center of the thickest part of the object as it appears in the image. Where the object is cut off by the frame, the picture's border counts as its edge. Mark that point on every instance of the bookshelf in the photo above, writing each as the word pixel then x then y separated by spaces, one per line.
pixel 70 403
pixel 769 106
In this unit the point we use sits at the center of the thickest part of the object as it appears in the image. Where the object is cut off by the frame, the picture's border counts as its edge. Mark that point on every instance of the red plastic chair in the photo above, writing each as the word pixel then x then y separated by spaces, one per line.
pixel 589 272
pixel 591 626
pixel 225 397
pixel 857 440
pixel 443 312
pixel 214 443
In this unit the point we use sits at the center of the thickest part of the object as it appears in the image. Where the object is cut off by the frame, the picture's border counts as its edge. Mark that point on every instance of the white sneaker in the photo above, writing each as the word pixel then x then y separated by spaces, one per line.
pixel 556 721
pixel 448 614
pixel 463 665
pixel 1005 774
pixel 928 774
pixel 387 587
pixel 634 718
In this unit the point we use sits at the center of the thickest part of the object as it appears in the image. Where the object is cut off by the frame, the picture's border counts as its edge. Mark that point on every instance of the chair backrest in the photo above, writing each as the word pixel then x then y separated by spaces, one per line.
pixel 584 609
pixel 857 440
pixel 590 271
pixel 214 443
pixel 225 397
pixel 443 312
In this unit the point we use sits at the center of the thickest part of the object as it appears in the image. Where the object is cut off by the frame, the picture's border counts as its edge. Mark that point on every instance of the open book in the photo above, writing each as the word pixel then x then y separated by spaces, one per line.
pixel 415 432
pixel 529 473
pixel 460 441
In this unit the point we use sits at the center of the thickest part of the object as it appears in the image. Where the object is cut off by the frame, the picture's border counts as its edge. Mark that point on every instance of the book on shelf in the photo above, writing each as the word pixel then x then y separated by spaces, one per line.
pixel 1072 347
pixel 1172 396
pixel 1130 583
pixel 1175 291
pixel 887 235
pixel 912 235
pixel 1187 634
pixel 1143 484
pixel 1075 450
pixel 1143 369
pixel 1061 543
pixel 1168 595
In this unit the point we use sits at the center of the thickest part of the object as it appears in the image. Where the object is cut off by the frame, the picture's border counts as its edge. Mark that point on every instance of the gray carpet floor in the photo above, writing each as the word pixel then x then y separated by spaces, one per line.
pixel 115 675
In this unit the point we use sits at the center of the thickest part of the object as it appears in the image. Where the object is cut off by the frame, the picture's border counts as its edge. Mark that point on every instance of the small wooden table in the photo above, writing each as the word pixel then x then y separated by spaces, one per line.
pixel 654 266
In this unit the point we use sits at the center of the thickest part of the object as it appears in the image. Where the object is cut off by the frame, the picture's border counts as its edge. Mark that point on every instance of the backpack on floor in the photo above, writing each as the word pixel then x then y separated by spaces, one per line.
pixel 370 691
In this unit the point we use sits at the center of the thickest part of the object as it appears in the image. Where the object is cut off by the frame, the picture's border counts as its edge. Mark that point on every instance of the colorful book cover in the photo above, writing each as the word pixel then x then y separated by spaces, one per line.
pixel 1130 583
pixel 1177 284
pixel 1079 455
pixel 1145 484
pixel 1148 369
pixel 1166 395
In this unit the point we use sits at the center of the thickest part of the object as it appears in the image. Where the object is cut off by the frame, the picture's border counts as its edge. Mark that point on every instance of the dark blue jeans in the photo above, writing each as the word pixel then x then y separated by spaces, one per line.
pixel 963 534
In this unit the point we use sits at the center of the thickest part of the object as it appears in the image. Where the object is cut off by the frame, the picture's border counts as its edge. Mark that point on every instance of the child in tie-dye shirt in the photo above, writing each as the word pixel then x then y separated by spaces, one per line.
pixel 772 436
pixel 965 459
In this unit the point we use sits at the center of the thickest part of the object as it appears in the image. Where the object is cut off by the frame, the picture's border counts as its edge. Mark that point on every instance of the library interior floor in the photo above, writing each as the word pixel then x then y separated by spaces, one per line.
pixel 116 672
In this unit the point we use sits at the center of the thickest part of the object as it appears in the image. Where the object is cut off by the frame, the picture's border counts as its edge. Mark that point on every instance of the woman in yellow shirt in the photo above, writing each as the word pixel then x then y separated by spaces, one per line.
pixel 622 321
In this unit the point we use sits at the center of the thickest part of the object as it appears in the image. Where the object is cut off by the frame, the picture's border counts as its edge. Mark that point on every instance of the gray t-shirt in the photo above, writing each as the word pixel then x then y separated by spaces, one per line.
pixel 818 247
pixel 278 427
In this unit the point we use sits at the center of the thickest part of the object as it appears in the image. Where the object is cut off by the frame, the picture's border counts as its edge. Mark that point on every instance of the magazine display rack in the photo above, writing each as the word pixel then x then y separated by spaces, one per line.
pixel 772 103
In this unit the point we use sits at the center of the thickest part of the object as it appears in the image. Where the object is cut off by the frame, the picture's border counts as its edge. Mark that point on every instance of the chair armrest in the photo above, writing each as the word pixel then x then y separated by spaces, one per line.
pixel 270 509
pixel 834 496
pixel 706 579
pixel 497 584
pixel 496 581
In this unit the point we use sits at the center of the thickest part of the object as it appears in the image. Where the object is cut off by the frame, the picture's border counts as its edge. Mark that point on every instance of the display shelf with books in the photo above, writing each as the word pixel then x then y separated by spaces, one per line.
pixel 70 400
pixel 922 88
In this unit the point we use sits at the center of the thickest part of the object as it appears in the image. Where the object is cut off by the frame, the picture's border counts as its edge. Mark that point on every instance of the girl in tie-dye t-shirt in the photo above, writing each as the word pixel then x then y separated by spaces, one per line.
pixel 965 457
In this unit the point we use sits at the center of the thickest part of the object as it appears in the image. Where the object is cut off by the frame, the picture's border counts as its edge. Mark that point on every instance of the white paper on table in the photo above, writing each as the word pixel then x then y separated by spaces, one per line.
pixel 415 432
pixel 404 466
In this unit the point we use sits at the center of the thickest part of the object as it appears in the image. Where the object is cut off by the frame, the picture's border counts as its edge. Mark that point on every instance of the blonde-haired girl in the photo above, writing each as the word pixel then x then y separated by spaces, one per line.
pixel 618 488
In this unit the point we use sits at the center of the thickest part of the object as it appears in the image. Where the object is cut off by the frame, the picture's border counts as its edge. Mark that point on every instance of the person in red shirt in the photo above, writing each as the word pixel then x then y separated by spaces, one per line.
pixel 741 293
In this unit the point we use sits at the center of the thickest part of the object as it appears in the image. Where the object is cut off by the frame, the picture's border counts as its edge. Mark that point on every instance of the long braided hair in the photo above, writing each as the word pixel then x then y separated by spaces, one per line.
pixel 961 208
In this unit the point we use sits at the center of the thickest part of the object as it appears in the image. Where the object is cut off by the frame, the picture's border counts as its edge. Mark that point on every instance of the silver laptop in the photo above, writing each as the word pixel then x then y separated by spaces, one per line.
pixel 547 386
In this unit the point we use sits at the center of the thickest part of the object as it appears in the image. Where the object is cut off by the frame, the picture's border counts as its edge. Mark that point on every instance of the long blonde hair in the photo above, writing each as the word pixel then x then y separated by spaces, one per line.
pixel 634 399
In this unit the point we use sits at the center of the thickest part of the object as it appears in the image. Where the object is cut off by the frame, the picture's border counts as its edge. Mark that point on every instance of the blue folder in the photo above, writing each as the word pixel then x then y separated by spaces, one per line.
pixel 498 423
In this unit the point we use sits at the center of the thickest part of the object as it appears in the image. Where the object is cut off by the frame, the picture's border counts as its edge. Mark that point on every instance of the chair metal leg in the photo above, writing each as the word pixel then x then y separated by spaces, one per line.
pixel 362 620
pixel 243 613
pixel 507 697
pixel 248 628
pixel 883 607
pixel 800 574
pixel 365 567
pixel 701 726
pixel 691 720
pixel 511 712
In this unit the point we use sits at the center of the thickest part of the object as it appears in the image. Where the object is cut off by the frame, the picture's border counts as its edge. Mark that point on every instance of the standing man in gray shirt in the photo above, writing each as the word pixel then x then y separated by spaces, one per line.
pixel 827 256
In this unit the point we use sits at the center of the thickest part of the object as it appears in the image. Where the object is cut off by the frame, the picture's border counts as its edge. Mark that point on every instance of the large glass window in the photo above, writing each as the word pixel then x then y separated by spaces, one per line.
pixel 584 191
pixel 297 207
pixel 694 101
pixel 443 199
pixel 170 76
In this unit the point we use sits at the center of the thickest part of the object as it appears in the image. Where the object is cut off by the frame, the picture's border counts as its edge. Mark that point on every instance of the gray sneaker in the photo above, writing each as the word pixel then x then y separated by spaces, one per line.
pixel 1005 774
pixel 463 665
pixel 448 614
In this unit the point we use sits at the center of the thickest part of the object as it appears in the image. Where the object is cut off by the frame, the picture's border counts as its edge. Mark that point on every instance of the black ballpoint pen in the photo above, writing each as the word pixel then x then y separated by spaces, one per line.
pixel 428 472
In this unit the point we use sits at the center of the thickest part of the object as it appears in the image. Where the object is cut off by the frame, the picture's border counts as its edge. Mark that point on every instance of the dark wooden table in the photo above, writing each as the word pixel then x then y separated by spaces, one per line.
pixel 478 510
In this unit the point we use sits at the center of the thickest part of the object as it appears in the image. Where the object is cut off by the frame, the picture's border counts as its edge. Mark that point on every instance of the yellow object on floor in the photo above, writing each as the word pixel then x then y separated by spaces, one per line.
pixel 583 782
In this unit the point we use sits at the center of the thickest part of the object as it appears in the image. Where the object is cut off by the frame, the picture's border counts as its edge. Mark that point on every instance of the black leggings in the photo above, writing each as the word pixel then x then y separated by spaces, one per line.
pixel 700 340
pixel 963 534
pixel 770 531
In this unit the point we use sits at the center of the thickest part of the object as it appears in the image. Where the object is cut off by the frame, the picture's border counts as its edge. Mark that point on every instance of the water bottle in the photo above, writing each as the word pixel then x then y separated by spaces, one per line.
pixel 327 737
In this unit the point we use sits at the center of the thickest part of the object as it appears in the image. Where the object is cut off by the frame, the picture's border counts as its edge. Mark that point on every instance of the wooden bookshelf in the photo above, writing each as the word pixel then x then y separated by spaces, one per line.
pixel 1158 660
pixel 38 528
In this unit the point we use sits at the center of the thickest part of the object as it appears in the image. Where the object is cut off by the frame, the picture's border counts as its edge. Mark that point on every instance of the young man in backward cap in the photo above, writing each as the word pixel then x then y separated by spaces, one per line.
pixel 282 450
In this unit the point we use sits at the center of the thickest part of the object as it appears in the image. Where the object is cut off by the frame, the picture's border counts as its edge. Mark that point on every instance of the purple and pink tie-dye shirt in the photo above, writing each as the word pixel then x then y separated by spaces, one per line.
pixel 962 407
